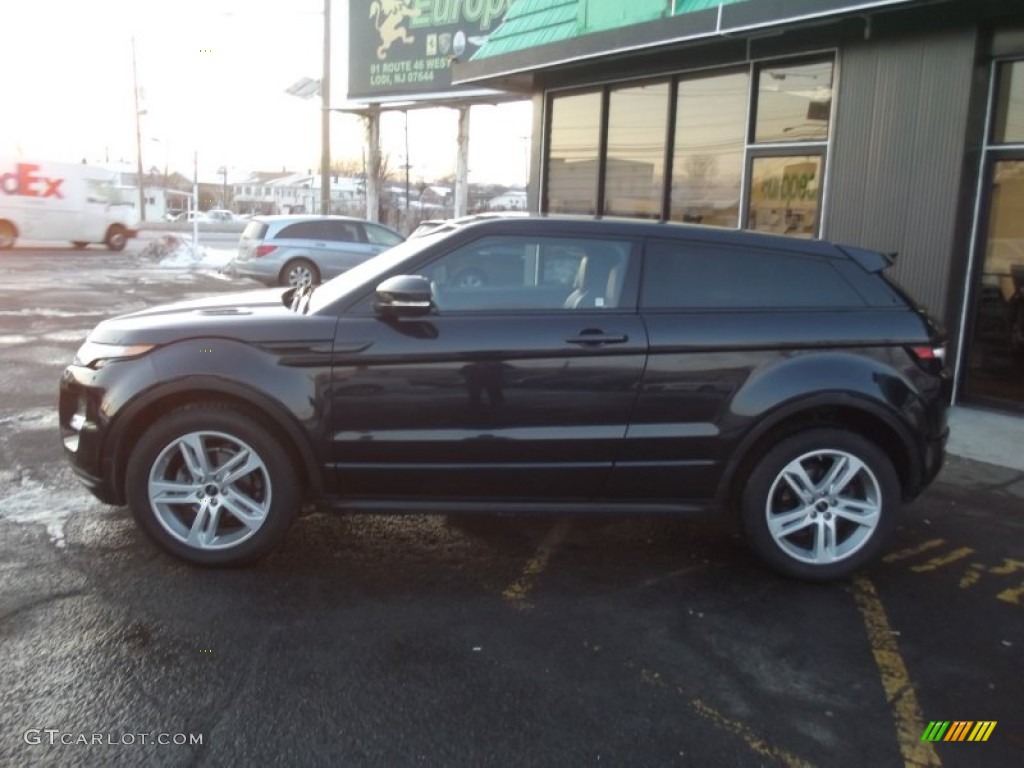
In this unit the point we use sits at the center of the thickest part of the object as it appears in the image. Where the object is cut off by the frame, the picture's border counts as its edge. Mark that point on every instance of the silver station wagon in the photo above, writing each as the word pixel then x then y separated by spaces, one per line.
pixel 300 250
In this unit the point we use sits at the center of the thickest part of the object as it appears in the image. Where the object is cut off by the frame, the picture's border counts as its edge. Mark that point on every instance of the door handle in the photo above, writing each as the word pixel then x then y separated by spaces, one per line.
pixel 596 338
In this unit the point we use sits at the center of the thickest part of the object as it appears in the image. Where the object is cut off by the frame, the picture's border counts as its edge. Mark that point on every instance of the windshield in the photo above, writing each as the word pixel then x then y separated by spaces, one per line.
pixel 370 272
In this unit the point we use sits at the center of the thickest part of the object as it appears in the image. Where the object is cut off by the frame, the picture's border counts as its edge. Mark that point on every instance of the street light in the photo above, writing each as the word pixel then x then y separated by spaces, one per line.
pixel 306 88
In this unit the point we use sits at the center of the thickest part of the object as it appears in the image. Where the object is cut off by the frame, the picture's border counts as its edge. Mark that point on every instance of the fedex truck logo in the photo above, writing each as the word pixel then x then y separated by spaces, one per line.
pixel 25 180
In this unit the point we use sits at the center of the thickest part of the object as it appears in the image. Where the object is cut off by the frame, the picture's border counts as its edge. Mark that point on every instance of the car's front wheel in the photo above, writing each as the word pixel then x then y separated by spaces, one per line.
pixel 819 504
pixel 211 486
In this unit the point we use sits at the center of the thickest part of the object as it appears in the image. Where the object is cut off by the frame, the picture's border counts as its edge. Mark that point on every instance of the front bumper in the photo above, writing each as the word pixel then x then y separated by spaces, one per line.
pixel 82 431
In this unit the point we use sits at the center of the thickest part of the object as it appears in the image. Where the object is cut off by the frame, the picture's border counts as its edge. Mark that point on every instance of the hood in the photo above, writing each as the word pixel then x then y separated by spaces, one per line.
pixel 251 317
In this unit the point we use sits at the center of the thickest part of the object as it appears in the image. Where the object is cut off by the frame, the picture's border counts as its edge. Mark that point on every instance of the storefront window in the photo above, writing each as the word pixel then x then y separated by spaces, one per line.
pixel 635 170
pixel 573 153
pixel 996 361
pixel 784 195
pixel 710 130
pixel 1009 122
pixel 794 102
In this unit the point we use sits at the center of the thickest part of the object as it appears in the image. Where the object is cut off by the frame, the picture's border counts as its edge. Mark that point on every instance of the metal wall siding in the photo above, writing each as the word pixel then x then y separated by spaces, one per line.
pixel 898 152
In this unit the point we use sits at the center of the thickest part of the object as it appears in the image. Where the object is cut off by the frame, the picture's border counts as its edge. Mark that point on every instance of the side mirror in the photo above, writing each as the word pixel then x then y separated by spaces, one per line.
pixel 404 296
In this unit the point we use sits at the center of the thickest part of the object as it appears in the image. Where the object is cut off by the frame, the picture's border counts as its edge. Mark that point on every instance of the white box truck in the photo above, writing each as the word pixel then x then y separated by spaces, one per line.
pixel 42 200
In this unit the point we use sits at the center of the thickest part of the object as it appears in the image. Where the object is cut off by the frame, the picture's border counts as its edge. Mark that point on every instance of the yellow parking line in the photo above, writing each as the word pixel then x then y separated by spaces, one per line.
pixel 938 562
pixel 517 592
pixel 899 690
pixel 755 742
pixel 1013 595
pixel 903 554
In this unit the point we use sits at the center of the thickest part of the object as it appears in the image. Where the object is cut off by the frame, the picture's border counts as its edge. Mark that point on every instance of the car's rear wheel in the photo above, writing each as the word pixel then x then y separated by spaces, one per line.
pixel 117 238
pixel 819 504
pixel 299 272
pixel 211 486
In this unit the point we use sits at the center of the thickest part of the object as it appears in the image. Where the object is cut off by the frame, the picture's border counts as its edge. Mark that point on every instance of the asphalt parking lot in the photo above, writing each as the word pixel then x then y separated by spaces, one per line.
pixel 471 641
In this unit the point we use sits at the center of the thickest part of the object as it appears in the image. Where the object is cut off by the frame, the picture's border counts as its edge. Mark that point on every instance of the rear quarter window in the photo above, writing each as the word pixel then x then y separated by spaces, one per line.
pixel 254 230
pixel 689 275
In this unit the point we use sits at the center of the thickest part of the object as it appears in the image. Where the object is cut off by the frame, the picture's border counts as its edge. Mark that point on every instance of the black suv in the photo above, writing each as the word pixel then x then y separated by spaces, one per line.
pixel 616 366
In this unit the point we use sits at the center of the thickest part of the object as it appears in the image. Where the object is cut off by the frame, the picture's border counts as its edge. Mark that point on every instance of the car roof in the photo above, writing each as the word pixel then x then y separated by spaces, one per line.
pixel 285 217
pixel 627 227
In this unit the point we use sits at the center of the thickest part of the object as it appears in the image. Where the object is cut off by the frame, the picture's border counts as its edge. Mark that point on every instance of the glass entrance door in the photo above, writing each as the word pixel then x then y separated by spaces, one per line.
pixel 995 369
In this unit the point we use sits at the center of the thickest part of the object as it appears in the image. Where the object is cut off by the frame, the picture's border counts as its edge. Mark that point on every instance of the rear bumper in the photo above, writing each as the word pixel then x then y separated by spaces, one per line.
pixel 253 270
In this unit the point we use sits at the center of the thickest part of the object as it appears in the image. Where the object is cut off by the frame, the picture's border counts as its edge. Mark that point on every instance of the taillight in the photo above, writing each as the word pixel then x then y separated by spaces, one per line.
pixel 263 250
pixel 931 357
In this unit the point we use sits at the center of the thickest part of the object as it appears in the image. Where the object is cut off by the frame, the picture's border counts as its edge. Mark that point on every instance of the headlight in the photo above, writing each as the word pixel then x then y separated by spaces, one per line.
pixel 94 355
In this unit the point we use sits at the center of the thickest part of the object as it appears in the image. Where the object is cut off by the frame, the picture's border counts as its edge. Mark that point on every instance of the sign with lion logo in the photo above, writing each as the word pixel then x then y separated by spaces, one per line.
pixel 406 47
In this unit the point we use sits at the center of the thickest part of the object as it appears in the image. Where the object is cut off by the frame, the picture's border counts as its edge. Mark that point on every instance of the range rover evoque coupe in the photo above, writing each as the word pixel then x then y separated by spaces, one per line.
pixel 593 366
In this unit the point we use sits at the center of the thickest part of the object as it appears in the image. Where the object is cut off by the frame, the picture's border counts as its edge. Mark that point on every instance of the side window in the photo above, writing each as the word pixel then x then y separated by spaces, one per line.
pixel 381 236
pixel 517 273
pixel 681 275
pixel 339 231
pixel 302 230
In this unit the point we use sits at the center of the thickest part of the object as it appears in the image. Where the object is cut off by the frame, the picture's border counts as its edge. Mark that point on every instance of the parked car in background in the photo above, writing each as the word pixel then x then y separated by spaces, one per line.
pixel 220 214
pixel 681 369
pixel 191 216
pixel 308 249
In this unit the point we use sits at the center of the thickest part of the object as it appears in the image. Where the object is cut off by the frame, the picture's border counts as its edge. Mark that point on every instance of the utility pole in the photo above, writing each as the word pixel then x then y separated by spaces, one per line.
pixel 223 170
pixel 325 117
pixel 138 138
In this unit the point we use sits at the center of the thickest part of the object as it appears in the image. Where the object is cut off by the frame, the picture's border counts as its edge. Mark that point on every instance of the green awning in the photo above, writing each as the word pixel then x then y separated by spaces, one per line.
pixel 532 23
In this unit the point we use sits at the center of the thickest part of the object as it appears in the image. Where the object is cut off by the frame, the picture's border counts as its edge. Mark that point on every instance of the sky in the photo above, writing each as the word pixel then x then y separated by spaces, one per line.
pixel 212 76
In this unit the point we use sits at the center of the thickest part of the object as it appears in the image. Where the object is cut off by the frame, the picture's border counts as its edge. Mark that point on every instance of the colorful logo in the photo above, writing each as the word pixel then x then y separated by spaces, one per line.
pixel 388 17
pixel 958 730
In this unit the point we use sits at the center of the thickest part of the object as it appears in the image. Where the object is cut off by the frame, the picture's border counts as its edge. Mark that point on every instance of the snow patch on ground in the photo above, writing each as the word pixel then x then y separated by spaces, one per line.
pixel 30 502
pixel 31 419
pixel 173 252
pixel 43 312
pixel 67 335
pixel 13 339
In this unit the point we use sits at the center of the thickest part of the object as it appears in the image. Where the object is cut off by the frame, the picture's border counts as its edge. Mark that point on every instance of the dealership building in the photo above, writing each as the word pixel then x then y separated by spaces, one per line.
pixel 895 125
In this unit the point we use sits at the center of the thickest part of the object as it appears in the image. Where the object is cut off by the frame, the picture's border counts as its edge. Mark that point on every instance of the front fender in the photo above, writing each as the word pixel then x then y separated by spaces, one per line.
pixel 203 369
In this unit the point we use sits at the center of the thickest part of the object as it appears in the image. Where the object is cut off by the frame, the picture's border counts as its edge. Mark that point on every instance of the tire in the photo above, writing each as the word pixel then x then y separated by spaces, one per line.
pixel 802 524
pixel 209 519
pixel 117 238
pixel 299 272
pixel 8 235
pixel 79 244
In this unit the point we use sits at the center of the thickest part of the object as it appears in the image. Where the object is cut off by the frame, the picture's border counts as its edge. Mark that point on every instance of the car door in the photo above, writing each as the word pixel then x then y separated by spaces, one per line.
pixel 517 388
pixel 345 245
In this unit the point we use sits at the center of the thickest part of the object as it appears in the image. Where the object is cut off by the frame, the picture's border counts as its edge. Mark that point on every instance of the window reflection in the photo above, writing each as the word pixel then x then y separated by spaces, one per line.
pixel 707 168
pixel 784 195
pixel 1009 123
pixel 996 364
pixel 637 121
pixel 794 102
pixel 573 153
